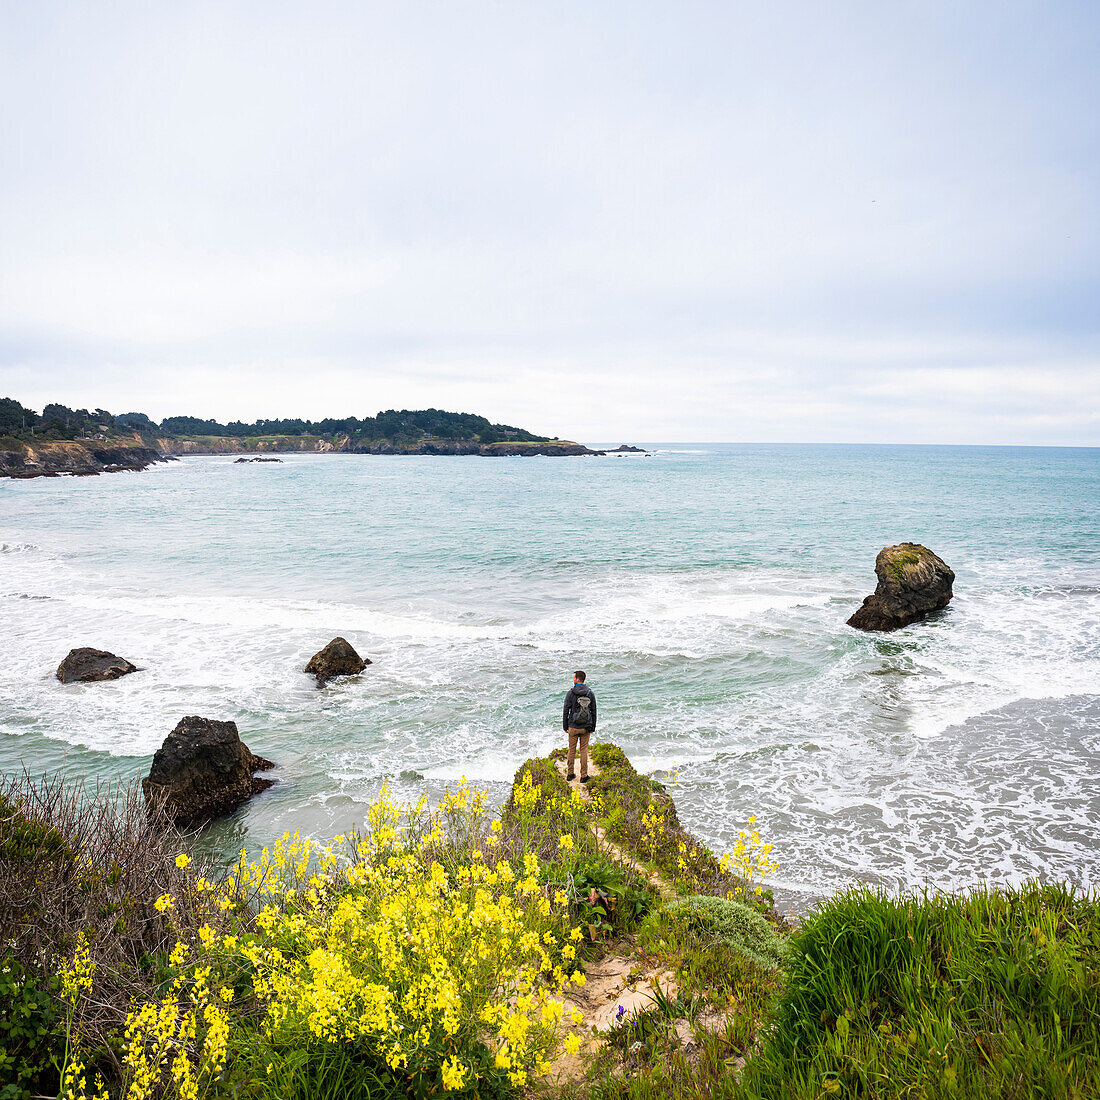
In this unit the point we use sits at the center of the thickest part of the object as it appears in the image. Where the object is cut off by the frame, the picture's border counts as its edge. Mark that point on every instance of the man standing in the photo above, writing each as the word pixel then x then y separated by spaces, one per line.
pixel 578 719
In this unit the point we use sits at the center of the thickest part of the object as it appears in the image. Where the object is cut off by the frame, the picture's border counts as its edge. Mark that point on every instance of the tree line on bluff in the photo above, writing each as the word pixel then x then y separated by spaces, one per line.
pixel 60 422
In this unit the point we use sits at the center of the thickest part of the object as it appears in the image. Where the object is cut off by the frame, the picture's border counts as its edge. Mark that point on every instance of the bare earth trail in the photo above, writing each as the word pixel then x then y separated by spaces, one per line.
pixel 621 857
pixel 618 986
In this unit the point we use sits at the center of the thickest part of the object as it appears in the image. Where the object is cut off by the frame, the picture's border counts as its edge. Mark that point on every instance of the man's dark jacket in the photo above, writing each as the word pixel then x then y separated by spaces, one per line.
pixel 568 712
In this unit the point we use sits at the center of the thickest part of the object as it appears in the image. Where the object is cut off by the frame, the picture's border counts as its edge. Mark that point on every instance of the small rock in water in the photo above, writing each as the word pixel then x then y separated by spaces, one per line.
pixel 911 582
pixel 87 665
pixel 338 658
pixel 203 769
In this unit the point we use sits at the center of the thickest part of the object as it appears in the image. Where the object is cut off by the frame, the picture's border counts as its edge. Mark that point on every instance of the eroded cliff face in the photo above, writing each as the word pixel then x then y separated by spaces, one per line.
pixel 218 445
pixel 85 457
pixel 231 445
pixel 82 457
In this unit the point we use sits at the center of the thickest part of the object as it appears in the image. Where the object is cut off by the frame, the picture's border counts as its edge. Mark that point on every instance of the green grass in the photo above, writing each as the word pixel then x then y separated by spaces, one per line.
pixel 989 995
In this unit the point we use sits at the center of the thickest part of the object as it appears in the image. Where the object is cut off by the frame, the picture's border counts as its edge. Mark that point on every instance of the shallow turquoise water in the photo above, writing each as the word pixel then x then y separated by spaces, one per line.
pixel 704 590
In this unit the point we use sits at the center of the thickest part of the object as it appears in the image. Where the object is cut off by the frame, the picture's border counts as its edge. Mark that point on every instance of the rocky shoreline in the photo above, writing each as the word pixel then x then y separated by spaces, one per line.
pixel 77 458
pixel 310 444
pixel 84 458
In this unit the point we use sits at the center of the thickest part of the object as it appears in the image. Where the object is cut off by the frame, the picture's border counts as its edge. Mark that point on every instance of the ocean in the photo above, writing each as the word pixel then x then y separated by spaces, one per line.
pixel 704 590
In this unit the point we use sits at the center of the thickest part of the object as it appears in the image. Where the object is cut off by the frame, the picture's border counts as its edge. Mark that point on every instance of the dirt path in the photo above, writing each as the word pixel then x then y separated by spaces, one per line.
pixel 617 986
pixel 620 856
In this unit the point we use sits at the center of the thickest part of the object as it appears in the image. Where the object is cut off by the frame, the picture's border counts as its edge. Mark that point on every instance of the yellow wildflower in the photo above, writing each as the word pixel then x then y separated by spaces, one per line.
pixel 76 978
pixel 454 1074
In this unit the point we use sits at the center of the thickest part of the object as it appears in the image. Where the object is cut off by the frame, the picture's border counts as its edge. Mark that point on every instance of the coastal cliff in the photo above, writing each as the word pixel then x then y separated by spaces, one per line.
pixel 232 445
pixel 78 458
pixel 21 459
pixel 315 444
pixel 61 440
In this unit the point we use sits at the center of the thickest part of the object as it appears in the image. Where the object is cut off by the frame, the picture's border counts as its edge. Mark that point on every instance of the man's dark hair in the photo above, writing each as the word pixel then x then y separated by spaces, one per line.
pixel 578 675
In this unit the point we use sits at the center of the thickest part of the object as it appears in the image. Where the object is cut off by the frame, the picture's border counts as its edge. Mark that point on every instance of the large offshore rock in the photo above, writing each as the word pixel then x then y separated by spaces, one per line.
pixel 203 769
pixel 338 658
pixel 911 582
pixel 85 665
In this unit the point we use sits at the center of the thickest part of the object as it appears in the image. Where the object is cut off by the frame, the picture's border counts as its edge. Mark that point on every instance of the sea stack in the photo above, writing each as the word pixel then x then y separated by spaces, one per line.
pixel 338 658
pixel 203 769
pixel 911 582
pixel 86 665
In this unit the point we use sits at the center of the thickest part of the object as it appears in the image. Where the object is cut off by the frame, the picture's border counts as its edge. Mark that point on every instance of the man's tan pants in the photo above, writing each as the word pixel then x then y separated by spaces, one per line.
pixel 578 738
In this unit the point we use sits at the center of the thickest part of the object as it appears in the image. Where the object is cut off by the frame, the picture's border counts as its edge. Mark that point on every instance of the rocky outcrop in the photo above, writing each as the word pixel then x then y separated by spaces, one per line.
pixel 216 445
pixel 485 450
pixel 259 460
pixel 85 665
pixel 338 658
pixel 626 449
pixel 550 450
pixel 911 582
pixel 78 458
pixel 203 769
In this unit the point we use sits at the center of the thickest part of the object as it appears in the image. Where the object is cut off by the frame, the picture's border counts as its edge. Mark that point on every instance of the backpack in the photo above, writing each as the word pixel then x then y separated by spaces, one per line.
pixel 582 715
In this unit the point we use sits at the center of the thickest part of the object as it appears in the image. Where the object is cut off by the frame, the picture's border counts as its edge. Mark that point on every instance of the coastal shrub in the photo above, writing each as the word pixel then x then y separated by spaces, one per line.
pixel 607 895
pixel 541 809
pixel 24 839
pixel 642 817
pixel 707 922
pixel 538 773
pixel 722 950
pixel 86 863
pixel 29 1036
pixel 419 955
pixel 993 994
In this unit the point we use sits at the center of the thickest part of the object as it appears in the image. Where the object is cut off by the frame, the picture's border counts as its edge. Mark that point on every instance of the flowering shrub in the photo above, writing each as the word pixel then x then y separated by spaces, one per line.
pixel 606 895
pixel 429 954
pixel 749 861
pixel 445 971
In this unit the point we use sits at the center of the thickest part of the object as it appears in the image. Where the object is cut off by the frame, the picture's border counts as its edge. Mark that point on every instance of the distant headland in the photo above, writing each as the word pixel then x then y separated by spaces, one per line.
pixel 60 440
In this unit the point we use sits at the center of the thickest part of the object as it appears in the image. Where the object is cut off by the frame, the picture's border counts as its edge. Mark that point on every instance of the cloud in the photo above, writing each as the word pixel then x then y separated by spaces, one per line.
pixel 797 219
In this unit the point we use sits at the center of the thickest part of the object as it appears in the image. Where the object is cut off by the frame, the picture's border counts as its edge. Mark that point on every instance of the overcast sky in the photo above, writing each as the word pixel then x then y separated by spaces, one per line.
pixel 784 221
